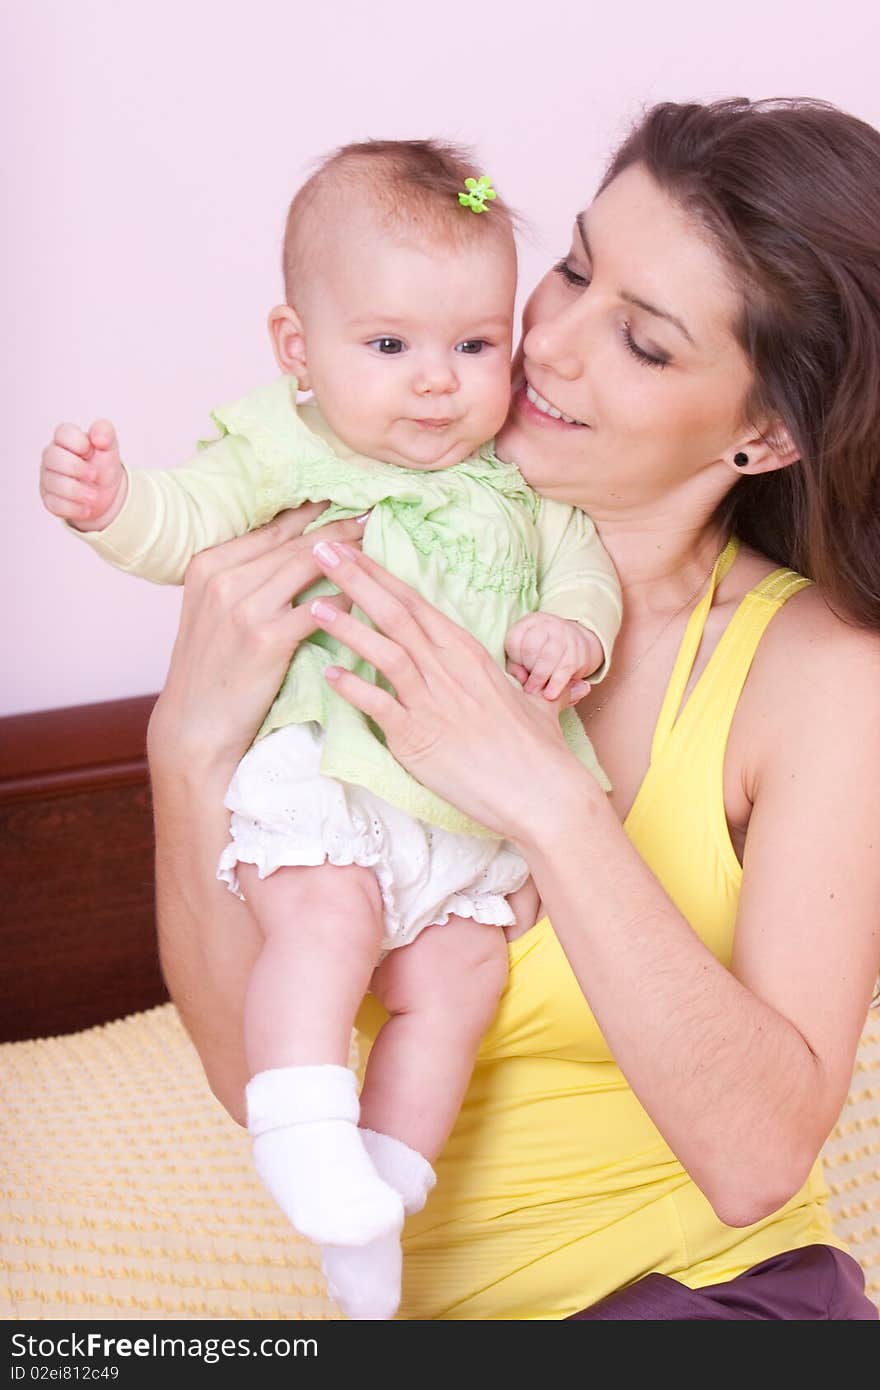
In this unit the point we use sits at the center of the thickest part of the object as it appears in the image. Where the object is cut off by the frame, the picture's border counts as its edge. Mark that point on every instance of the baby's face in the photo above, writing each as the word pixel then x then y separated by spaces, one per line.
pixel 408 345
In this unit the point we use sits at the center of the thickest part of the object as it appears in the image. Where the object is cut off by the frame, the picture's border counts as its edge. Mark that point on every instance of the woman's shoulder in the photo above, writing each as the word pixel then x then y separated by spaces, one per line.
pixel 813 668
pixel 804 620
pixel 806 626
pixel 809 712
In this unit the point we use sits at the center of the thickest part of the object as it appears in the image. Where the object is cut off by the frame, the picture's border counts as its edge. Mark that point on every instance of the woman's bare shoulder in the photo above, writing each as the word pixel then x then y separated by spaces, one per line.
pixel 808 629
pixel 814 670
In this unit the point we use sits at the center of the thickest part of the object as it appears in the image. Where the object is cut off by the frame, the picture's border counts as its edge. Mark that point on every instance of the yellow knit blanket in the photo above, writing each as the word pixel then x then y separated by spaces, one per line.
pixel 127 1192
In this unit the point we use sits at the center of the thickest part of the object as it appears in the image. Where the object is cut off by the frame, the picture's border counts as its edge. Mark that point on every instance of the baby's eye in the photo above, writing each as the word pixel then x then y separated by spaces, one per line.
pixel 472 345
pixel 387 345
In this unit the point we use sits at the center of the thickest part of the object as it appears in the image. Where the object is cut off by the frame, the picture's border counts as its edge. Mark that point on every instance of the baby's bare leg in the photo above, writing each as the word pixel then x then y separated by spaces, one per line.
pixel 441 993
pixel 321 930
pixel 525 903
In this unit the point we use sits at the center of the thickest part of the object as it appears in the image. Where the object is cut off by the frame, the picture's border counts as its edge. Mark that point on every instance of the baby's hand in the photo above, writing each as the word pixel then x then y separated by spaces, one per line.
pixel 81 476
pixel 554 651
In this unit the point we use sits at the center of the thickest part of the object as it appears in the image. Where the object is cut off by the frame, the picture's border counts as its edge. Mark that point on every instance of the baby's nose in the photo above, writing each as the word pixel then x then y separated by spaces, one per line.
pixel 436 377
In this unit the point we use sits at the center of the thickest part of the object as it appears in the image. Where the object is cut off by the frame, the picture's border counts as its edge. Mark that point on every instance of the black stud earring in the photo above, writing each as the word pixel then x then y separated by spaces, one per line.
pixel 740 460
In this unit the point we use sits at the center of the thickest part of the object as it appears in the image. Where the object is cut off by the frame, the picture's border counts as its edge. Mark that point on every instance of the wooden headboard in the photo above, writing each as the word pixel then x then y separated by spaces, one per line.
pixel 77 913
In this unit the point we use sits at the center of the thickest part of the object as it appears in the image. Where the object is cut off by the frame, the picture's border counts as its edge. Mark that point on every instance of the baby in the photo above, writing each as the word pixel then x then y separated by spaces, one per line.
pixel 400 275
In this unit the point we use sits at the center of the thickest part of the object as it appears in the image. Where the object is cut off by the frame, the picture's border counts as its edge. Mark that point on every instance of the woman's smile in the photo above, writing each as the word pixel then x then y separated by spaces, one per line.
pixel 535 407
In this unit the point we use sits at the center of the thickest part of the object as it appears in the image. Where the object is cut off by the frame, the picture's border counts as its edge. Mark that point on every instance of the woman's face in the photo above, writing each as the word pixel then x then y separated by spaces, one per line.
pixel 630 336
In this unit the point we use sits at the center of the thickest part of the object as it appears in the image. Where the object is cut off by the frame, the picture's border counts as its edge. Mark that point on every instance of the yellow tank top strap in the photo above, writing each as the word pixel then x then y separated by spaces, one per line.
pixel 724 676
pixel 780 585
pixel 688 650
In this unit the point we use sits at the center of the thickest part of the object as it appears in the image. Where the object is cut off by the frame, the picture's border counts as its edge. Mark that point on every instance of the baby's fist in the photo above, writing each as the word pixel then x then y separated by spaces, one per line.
pixel 81 476
pixel 554 651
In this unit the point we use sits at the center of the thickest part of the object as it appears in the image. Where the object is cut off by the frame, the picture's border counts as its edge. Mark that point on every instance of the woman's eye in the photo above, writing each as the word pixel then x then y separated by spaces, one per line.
pixel 387 345
pixel 472 345
pixel 646 358
pixel 570 276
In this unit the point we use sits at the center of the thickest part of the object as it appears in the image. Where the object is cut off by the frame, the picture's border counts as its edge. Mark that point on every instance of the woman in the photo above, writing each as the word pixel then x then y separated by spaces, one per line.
pixel 672 1052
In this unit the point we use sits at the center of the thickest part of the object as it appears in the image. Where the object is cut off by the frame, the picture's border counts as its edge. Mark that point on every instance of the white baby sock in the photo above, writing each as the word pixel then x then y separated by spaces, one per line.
pixel 309 1153
pixel 365 1282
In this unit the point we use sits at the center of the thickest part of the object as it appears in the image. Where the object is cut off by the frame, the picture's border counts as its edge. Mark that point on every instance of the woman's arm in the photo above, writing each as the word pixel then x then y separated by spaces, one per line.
pixel 237 634
pixel 745 1070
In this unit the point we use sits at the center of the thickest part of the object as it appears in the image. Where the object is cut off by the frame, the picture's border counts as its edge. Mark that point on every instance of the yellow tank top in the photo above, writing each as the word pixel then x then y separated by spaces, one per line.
pixel 555 1187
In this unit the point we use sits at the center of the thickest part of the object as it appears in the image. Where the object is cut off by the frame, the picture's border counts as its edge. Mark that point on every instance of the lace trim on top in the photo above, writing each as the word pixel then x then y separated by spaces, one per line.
pixel 461 557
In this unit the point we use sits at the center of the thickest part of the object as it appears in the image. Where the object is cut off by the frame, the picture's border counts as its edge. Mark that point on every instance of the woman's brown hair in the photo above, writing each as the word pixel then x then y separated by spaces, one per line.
pixel 789 190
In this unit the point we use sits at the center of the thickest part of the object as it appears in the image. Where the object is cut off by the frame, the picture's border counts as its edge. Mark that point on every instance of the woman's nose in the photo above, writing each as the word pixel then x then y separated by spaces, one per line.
pixel 555 344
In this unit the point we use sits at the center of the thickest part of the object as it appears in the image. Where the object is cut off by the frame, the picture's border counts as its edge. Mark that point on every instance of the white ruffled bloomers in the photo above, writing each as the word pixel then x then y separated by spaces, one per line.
pixel 285 812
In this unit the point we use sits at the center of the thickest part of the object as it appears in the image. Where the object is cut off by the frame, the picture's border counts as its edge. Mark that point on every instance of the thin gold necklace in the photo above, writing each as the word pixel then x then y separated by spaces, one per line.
pixel 591 713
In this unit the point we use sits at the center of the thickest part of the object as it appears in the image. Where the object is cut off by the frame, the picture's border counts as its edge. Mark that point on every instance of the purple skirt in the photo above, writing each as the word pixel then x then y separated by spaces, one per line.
pixel 817 1283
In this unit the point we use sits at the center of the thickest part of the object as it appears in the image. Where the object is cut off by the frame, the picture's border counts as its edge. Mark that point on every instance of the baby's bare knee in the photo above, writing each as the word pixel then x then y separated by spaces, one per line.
pixel 459 968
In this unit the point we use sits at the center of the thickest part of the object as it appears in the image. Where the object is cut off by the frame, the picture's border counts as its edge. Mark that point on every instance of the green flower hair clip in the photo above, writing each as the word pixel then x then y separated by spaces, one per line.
pixel 478 192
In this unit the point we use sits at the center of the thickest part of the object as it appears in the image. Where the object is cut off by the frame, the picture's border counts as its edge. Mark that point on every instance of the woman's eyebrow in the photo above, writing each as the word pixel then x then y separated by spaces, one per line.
pixel 633 298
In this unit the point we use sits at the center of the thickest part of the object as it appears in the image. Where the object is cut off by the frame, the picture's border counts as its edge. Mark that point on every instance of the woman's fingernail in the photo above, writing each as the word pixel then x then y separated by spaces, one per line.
pixel 323 610
pixel 332 672
pixel 363 518
pixel 579 689
pixel 326 553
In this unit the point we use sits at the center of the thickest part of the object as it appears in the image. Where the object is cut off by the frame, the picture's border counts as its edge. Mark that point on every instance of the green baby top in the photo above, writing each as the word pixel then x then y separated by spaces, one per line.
pixel 474 539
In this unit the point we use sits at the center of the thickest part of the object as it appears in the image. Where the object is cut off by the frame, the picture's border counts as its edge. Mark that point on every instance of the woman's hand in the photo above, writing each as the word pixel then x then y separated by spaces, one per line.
pixel 237 634
pixel 458 724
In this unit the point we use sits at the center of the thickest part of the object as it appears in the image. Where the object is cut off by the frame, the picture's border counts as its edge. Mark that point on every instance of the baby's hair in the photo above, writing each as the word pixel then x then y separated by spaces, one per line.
pixel 411 186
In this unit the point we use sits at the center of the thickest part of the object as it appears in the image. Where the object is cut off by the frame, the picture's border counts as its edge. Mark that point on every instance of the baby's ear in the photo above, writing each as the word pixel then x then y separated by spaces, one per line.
pixel 289 344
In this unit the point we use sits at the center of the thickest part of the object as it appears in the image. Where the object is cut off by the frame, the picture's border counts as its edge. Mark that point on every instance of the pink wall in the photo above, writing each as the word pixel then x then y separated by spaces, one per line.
pixel 156 147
